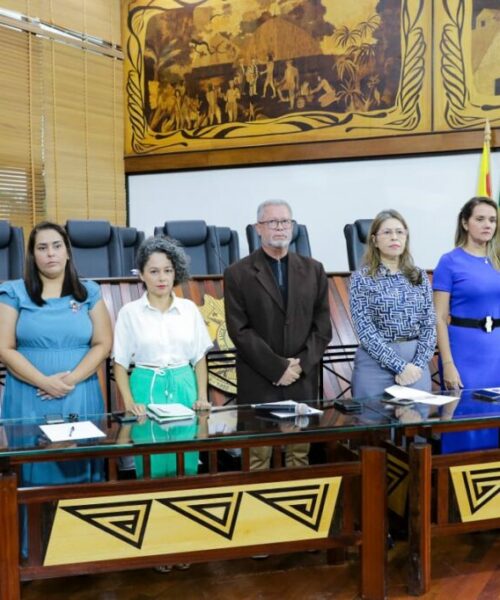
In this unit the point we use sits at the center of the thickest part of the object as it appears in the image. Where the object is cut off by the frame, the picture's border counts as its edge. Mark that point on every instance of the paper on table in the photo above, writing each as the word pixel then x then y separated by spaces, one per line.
pixel 419 396
pixel 66 432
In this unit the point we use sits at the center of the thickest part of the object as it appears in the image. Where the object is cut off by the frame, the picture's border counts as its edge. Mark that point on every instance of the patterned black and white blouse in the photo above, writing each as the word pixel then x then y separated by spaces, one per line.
pixel 388 308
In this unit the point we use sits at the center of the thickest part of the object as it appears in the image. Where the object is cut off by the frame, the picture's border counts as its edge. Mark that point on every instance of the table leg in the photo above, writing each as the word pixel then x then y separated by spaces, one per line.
pixel 9 546
pixel 374 524
pixel 419 526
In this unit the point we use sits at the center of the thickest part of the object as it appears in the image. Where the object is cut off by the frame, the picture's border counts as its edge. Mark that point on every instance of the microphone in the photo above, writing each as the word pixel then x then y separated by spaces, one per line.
pixel 301 409
pixel 301 422
pixel 222 263
pixel 288 406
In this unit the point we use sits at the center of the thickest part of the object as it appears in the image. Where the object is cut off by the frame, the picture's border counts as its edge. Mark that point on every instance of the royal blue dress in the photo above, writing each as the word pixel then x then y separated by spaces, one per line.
pixel 474 287
pixel 54 338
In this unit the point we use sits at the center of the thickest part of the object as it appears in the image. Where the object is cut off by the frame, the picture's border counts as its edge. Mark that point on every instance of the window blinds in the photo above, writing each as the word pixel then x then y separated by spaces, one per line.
pixel 61 111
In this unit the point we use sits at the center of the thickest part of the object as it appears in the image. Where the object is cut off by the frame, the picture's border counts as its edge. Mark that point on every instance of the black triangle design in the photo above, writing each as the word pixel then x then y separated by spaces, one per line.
pixel 126 521
pixel 129 525
pixel 303 508
pixel 481 486
pixel 282 499
pixel 396 474
pixel 198 508
pixel 210 515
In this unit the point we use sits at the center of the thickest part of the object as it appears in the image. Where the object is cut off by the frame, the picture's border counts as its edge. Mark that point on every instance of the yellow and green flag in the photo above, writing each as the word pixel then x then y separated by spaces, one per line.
pixel 484 182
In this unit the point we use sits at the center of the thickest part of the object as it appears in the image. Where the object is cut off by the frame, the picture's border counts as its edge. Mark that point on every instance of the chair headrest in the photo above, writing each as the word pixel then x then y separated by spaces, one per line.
pixel 128 235
pixel 88 234
pixel 363 229
pixel 224 234
pixel 5 232
pixel 189 233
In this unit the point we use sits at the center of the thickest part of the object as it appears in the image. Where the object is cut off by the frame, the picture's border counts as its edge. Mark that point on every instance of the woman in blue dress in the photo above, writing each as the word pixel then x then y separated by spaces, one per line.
pixel 54 333
pixel 466 286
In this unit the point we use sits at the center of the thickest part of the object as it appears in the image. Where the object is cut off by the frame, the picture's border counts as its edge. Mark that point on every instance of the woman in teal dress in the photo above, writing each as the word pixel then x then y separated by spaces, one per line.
pixel 165 338
pixel 54 333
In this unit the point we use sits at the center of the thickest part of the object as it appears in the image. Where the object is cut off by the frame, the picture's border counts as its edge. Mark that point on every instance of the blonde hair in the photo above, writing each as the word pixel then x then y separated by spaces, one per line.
pixel 372 258
pixel 462 235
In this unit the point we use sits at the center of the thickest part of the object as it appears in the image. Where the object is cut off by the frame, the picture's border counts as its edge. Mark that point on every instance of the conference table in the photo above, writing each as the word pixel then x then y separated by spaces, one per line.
pixel 224 511
pixel 383 456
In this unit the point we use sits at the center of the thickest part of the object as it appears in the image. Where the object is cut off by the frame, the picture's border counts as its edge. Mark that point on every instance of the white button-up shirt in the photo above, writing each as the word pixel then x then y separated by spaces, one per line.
pixel 146 336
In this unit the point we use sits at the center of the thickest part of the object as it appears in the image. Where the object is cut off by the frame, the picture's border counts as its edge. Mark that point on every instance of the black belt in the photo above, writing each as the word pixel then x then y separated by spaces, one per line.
pixel 488 324
pixel 405 339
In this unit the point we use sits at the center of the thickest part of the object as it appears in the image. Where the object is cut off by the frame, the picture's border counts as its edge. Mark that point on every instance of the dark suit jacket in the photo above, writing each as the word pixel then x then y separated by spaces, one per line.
pixel 266 335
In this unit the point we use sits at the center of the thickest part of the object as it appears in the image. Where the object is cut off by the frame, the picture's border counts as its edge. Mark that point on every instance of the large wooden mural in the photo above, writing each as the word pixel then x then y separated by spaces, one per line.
pixel 208 75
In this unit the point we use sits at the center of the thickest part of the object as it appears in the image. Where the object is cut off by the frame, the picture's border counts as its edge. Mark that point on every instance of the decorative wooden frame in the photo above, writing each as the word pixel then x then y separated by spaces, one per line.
pixel 436 107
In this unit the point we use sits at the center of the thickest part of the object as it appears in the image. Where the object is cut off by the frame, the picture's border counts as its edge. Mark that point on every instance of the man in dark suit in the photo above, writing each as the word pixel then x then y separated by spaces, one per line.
pixel 278 317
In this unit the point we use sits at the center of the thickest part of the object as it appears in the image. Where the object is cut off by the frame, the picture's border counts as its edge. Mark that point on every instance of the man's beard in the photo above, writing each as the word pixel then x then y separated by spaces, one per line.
pixel 279 243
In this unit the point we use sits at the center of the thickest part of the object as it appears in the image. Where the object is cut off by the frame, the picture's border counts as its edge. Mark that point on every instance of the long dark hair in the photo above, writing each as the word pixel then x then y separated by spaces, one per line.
pixel 72 286
pixel 372 258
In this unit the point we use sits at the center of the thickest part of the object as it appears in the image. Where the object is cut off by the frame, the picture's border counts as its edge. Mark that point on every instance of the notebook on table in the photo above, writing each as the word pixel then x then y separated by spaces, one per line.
pixel 169 412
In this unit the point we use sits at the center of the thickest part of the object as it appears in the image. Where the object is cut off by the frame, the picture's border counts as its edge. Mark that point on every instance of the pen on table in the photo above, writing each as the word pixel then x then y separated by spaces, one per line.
pixel 71 430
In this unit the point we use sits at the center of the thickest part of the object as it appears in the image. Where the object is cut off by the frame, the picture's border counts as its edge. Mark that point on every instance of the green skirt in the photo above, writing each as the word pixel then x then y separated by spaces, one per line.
pixel 162 387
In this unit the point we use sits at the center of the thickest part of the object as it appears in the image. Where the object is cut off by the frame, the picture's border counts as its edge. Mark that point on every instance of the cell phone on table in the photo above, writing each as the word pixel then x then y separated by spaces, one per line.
pixel 490 394
pixel 398 401
pixel 54 419
pixel 124 417
pixel 348 406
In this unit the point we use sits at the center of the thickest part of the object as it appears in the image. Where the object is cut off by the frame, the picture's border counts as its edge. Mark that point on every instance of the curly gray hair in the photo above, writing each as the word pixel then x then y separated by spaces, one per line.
pixel 171 248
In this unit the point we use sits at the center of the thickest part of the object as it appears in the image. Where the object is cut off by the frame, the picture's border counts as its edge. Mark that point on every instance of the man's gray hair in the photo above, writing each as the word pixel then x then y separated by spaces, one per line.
pixel 263 205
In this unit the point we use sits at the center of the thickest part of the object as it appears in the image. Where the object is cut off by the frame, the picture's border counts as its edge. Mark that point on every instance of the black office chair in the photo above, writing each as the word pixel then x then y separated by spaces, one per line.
pixel 299 243
pixel 96 248
pixel 356 236
pixel 229 245
pixel 130 240
pixel 201 243
pixel 11 251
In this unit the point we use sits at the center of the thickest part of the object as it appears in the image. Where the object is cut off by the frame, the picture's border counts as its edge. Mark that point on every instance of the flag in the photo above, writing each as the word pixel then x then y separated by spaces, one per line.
pixel 484 182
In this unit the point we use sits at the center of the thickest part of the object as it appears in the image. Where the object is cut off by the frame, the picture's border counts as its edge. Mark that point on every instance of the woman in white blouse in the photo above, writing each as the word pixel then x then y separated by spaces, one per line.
pixel 166 340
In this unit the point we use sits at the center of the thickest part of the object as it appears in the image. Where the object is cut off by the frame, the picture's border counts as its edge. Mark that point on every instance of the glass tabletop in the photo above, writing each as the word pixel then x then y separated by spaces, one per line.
pixel 449 407
pixel 244 422
pixel 28 437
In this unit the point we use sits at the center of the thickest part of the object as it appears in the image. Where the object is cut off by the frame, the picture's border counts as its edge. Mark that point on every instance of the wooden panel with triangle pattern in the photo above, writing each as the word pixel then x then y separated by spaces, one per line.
pixel 477 490
pixel 138 525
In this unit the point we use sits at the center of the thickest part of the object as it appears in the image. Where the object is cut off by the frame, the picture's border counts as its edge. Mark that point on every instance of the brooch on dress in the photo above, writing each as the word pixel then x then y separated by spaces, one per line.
pixel 74 305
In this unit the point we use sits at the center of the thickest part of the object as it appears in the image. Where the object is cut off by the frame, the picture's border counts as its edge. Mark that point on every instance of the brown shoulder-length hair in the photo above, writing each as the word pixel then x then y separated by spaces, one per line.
pixel 461 234
pixel 372 258
pixel 72 286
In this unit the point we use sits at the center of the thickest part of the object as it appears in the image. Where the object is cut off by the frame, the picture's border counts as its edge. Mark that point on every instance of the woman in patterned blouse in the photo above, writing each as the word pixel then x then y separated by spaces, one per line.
pixel 392 312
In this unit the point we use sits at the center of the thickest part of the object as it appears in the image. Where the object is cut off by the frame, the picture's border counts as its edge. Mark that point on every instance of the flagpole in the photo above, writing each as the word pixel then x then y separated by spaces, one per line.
pixel 484 181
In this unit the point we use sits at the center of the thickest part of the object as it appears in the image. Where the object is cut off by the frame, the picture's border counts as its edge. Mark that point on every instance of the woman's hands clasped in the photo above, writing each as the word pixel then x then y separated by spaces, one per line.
pixel 56 386
pixel 409 375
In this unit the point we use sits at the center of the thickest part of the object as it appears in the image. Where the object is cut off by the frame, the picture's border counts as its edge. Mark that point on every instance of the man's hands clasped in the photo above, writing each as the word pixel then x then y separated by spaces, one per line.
pixel 292 372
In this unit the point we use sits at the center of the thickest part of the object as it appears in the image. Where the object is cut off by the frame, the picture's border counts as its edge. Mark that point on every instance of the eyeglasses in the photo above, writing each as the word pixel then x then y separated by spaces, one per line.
pixel 400 233
pixel 275 223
